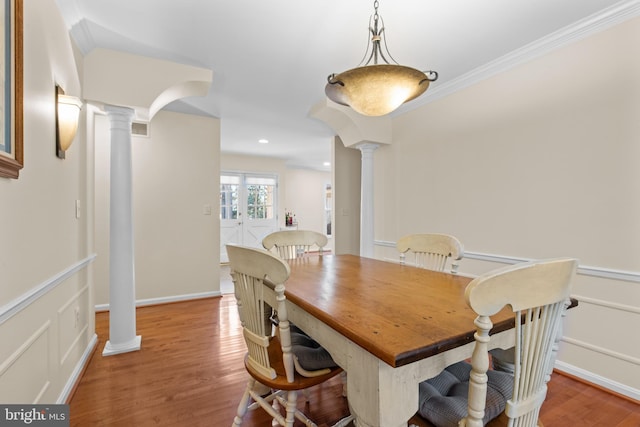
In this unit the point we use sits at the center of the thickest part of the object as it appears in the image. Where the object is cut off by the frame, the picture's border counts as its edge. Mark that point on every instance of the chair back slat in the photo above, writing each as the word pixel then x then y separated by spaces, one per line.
pixel 430 261
pixel 292 244
pixel 431 251
pixel 538 293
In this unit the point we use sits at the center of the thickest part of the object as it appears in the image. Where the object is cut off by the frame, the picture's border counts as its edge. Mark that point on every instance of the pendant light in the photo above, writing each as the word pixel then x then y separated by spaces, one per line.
pixel 376 89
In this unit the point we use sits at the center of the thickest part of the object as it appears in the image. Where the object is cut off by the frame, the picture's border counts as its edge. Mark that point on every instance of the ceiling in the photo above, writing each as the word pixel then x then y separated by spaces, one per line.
pixel 271 58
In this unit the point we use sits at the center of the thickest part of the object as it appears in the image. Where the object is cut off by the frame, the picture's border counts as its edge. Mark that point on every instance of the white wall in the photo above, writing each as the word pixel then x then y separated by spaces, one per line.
pixel 304 197
pixel 539 161
pixel 46 315
pixel 176 173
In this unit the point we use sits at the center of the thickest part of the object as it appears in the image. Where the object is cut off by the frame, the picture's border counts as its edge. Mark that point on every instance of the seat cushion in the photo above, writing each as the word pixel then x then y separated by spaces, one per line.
pixel 443 399
pixel 503 360
pixel 310 354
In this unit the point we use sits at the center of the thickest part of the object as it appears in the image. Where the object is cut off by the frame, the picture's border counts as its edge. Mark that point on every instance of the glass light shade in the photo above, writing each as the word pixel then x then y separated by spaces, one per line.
pixel 68 114
pixel 376 90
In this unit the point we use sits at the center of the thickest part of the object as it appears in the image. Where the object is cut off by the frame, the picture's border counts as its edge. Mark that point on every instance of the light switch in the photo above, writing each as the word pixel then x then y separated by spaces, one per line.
pixel 206 210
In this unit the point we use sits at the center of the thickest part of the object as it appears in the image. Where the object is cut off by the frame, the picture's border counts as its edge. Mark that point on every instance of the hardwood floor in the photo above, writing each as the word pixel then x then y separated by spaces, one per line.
pixel 189 372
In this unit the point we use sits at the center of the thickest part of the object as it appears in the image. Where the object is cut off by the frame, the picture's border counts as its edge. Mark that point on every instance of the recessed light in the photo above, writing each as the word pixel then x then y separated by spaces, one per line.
pixel 263 141
pixel 327 163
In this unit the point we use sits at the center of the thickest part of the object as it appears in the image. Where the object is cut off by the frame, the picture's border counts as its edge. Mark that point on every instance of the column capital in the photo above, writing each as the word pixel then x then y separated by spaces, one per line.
pixel 118 110
pixel 120 117
pixel 368 147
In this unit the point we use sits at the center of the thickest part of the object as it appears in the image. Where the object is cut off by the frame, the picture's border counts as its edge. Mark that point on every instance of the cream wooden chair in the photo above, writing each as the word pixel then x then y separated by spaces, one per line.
pixel 291 244
pixel 272 361
pixel 431 251
pixel 538 294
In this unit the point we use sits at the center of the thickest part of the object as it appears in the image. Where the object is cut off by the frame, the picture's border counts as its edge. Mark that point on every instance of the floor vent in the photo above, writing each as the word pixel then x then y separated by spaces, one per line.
pixel 140 129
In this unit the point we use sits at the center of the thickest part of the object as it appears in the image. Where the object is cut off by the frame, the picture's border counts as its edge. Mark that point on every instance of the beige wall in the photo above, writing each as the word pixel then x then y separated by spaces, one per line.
pixel 539 161
pixel 46 321
pixel 304 197
pixel 175 174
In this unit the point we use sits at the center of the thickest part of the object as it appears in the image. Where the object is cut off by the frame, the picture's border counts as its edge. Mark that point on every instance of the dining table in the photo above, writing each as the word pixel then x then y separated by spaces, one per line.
pixel 388 325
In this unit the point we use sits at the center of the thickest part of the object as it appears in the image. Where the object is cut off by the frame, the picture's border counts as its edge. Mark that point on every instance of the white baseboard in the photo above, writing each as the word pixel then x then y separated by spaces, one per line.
pixel 165 300
pixel 77 372
pixel 598 380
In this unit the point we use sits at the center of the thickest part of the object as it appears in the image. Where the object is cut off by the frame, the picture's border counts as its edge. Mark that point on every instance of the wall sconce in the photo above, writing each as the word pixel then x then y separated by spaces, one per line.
pixel 67 114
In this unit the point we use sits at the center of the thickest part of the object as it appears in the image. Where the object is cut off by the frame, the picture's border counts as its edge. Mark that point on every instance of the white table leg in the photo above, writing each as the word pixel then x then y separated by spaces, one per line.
pixel 379 395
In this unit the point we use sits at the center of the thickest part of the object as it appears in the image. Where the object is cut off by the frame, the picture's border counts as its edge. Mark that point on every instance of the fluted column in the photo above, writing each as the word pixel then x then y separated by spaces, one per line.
pixel 366 200
pixel 122 294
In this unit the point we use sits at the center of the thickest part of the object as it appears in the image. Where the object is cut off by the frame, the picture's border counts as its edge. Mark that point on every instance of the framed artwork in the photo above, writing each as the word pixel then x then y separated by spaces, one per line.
pixel 11 149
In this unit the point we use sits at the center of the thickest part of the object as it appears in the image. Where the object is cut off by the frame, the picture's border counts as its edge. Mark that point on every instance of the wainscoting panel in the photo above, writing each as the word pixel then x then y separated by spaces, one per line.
pixel 25 374
pixel 47 336
pixel 73 321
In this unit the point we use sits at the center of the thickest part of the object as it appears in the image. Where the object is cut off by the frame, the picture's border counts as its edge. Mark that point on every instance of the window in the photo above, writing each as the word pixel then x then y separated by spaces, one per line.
pixel 229 197
pixel 260 197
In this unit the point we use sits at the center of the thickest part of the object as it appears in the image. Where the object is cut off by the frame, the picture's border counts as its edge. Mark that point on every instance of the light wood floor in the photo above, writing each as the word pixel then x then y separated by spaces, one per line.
pixel 189 372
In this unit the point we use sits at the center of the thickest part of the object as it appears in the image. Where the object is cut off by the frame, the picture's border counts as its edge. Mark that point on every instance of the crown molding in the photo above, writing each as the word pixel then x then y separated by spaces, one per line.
pixel 586 27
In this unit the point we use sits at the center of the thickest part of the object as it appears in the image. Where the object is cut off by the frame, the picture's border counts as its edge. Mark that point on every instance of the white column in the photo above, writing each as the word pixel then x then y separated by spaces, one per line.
pixel 122 293
pixel 366 200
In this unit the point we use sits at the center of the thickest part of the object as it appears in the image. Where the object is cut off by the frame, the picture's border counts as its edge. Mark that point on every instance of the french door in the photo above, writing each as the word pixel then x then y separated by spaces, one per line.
pixel 247 209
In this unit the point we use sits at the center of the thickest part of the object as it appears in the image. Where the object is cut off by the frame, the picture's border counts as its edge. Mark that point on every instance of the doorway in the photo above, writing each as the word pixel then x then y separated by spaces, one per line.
pixel 247 209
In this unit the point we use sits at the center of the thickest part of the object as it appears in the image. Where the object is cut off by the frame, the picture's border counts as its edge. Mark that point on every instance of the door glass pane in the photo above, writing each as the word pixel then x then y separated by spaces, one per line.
pixel 260 201
pixel 228 201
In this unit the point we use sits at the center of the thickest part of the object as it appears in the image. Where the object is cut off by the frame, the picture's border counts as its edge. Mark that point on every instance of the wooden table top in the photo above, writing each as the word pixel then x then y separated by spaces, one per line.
pixel 399 313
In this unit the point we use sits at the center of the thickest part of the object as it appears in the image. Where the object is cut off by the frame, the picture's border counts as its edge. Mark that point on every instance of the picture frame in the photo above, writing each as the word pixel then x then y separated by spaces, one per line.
pixel 11 102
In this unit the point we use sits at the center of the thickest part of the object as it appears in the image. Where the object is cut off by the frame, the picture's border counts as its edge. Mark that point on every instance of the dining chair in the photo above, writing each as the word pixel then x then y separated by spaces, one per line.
pixel 284 362
pixel 431 251
pixel 538 293
pixel 291 244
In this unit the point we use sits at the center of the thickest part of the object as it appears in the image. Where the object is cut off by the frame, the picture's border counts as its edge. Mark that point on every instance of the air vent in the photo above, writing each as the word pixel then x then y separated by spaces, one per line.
pixel 140 129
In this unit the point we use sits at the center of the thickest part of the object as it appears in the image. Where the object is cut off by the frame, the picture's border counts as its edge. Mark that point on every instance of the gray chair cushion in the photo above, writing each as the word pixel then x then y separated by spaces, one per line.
pixel 311 355
pixel 503 360
pixel 443 399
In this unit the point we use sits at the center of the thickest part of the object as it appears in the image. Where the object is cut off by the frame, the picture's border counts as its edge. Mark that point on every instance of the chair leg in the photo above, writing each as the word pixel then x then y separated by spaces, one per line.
pixel 276 407
pixel 243 405
pixel 292 400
